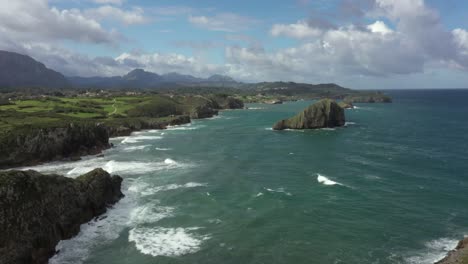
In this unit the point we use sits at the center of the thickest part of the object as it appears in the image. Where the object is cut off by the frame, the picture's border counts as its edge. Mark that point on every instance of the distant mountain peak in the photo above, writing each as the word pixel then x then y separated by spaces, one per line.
pixel 220 78
pixel 18 70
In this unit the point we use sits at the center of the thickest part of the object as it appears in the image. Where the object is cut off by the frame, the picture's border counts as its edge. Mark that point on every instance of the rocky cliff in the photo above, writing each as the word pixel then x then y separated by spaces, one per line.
pixel 457 256
pixel 29 146
pixel 125 126
pixel 37 211
pixel 324 113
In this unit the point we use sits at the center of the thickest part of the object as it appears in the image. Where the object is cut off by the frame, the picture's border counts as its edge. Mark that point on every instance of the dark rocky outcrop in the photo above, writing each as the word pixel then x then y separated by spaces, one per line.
pixel 37 211
pixel 457 256
pixel 34 145
pixel 228 102
pixel 124 127
pixel 346 105
pixel 29 146
pixel 324 113
pixel 21 71
pixel 203 111
pixel 368 98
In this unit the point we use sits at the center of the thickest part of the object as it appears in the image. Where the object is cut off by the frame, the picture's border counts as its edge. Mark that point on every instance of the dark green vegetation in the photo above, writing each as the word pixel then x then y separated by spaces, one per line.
pixel 37 211
pixel 54 128
pixel 325 113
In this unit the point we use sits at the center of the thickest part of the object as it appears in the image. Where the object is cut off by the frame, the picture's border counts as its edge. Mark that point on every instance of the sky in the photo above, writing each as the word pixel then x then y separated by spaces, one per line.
pixel 360 44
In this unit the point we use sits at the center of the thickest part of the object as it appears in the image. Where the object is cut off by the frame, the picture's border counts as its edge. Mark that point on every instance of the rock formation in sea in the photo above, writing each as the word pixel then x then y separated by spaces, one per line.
pixel 457 256
pixel 37 211
pixel 368 98
pixel 346 105
pixel 322 114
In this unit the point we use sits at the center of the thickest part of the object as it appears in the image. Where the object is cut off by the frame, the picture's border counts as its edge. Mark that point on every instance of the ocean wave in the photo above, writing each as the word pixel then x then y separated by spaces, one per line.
pixel 150 213
pixel 435 250
pixel 255 108
pixel 136 139
pixel 295 130
pixel 162 149
pixel 279 190
pixel 106 228
pixel 350 124
pixel 123 167
pixel 326 181
pixel 134 148
pixel 184 127
pixel 168 242
pixel 145 190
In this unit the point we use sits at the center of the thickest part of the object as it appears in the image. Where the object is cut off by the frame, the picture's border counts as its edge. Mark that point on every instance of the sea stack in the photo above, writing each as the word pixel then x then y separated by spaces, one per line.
pixel 325 113
pixel 37 211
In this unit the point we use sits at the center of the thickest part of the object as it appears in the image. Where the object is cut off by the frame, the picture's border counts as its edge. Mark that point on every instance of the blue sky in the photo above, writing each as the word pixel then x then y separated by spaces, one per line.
pixel 357 43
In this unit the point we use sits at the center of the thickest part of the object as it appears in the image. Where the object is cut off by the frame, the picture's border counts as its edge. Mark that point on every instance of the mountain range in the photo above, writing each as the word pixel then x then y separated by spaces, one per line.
pixel 140 78
pixel 18 71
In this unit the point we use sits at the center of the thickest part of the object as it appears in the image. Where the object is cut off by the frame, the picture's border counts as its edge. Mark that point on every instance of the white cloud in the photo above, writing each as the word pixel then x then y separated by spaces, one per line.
pixel 165 63
pixel 461 39
pixel 134 16
pixel 35 20
pixel 379 27
pixel 112 2
pixel 227 22
pixel 299 30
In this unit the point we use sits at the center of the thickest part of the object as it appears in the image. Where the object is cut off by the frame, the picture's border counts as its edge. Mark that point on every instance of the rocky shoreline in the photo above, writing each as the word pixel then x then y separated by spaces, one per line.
pixel 37 211
pixel 70 140
pixel 457 256
pixel 33 146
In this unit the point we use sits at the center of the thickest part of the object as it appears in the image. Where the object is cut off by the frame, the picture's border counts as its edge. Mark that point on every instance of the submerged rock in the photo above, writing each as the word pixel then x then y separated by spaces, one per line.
pixel 324 113
pixel 37 211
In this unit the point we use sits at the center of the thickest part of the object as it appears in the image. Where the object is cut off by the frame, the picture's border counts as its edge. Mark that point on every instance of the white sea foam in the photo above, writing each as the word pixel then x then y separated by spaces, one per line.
pixel 324 180
pixel 134 148
pixel 170 161
pixel 107 228
pixel 255 108
pixel 136 139
pixel 153 190
pixel 435 250
pixel 168 242
pixel 150 213
pixel 295 130
pixel 123 167
pixel 162 149
pixel 185 127
pixel 259 194
pixel 350 123
pixel 279 190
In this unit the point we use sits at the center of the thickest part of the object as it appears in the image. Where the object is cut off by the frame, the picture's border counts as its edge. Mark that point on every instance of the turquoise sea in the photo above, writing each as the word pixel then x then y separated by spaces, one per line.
pixel 390 187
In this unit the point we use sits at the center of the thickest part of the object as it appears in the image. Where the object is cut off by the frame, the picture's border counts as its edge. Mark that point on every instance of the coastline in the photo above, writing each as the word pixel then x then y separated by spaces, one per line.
pixel 457 256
